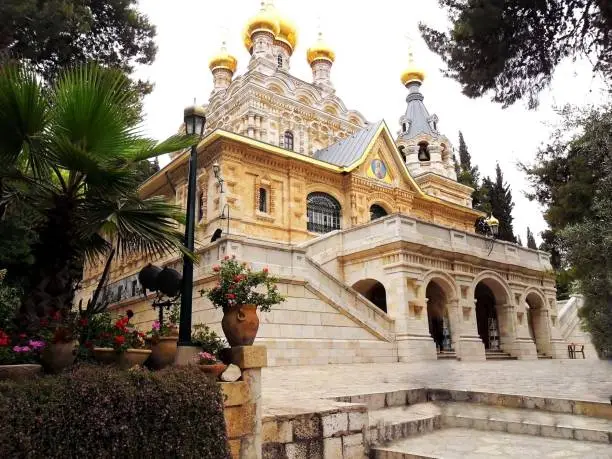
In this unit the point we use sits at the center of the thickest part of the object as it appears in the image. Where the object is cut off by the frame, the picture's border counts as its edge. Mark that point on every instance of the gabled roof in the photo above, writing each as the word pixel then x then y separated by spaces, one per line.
pixel 350 149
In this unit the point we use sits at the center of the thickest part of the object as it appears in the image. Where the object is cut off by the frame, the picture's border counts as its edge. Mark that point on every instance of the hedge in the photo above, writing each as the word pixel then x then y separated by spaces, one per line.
pixel 100 412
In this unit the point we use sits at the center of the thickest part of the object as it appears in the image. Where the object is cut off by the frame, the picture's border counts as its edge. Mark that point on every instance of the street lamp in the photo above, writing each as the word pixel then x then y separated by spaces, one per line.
pixel 493 224
pixel 195 120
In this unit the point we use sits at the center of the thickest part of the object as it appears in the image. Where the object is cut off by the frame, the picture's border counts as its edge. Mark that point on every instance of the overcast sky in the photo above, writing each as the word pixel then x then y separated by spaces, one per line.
pixel 371 51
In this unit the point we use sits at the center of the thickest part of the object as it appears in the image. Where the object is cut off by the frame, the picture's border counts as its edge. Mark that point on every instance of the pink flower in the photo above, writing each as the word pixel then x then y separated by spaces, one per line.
pixel 19 349
pixel 216 268
pixel 226 257
pixel 37 345
pixel 265 270
pixel 230 296
pixel 155 325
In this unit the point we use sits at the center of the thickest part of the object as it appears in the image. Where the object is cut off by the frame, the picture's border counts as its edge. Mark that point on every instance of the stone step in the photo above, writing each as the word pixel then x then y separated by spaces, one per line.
pixel 525 421
pixel 544 356
pixel 445 355
pixel 498 355
pixel 457 443
pixel 399 422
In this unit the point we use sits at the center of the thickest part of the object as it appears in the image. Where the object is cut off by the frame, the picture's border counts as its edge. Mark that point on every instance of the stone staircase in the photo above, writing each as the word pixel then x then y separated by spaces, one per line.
pixel 447 355
pixel 434 423
pixel 498 355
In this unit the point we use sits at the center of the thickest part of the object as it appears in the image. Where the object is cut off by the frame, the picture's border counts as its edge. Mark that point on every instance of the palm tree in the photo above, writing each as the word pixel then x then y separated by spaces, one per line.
pixel 69 152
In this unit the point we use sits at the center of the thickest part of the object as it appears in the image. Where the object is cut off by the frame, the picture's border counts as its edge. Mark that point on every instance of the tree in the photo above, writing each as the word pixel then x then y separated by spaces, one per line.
pixel 468 175
pixel 519 241
pixel 531 243
pixel 70 151
pixel 572 178
pixel 512 47
pixel 55 34
pixel 498 198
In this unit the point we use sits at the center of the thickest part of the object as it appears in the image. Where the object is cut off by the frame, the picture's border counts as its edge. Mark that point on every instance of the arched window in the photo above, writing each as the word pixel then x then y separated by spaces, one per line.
pixel 377 211
pixel 200 205
pixel 289 140
pixel 263 200
pixel 279 61
pixel 402 152
pixel 403 127
pixel 323 213
pixel 423 151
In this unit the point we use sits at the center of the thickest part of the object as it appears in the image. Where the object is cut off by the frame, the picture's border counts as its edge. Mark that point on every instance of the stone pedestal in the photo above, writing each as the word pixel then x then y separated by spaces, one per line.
pixel 186 355
pixel 470 348
pixel 243 402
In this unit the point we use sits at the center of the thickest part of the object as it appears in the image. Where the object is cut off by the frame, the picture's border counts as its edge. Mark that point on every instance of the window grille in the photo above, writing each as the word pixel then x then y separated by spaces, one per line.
pixel 323 213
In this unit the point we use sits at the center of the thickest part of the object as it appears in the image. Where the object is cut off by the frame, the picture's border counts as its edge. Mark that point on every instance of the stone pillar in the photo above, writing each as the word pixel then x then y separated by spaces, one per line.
pixel 243 422
pixel 507 327
pixel 524 348
pixel 469 346
pixel 407 305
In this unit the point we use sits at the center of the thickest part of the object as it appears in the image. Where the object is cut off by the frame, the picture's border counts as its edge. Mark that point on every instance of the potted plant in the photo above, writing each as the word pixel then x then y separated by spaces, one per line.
pixel 60 331
pixel 209 364
pixel 19 356
pixel 240 292
pixel 122 344
pixel 208 340
pixel 163 338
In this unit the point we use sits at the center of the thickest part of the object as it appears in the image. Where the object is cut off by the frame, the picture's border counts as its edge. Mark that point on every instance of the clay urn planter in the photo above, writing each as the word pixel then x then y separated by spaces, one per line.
pixel 19 372
pixel 133 357
pixel 213 369
pixel 163 352
pixel 105 355
pixel 240 324
pixel 57 356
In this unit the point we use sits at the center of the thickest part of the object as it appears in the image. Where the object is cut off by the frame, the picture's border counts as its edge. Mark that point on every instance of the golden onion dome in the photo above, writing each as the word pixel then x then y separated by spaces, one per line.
pixel 266 20
pixel 412 74
pixel 320 51
pixel 223 60
pixel 492 221
pixel 287 32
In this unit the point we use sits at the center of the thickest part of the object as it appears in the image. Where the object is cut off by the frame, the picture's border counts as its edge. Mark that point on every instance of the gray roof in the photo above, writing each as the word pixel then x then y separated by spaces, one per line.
pixel 348 150
pixel 417 113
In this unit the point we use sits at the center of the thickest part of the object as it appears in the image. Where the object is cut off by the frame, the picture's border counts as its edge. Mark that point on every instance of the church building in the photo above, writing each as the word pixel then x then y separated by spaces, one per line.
pixel 369 232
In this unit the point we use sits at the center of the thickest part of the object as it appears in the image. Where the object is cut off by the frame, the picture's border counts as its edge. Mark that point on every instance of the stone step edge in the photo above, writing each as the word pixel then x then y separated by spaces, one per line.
pixel 379 400
pixel 493 424
pixel 381 452
pixel 385 432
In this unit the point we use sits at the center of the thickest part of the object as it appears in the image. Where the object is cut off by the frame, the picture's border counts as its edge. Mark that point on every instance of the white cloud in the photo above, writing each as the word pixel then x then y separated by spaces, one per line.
pixel 371 51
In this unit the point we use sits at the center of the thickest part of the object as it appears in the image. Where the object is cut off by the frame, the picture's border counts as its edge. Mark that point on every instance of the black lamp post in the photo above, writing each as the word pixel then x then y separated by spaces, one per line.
pixel 195 120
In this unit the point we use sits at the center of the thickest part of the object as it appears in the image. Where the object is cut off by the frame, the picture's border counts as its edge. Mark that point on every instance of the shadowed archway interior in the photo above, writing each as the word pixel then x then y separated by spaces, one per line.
pixel 486 314
pixel 373 291
pixel 437 316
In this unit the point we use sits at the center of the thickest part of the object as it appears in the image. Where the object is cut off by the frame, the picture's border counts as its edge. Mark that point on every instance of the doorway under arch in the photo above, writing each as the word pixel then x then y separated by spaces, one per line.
pixel 374 291
pixel 486 316
pixel 537 321
pixel 377 211
pixel 437 316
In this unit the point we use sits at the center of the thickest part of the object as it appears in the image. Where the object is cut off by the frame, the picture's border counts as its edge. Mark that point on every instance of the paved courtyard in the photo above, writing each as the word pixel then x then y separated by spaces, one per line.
pixel 307 388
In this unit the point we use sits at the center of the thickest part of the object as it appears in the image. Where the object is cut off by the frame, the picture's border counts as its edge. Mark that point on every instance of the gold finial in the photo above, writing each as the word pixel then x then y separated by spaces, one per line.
pixel 412 72
pixel 223 59
pixel 320 50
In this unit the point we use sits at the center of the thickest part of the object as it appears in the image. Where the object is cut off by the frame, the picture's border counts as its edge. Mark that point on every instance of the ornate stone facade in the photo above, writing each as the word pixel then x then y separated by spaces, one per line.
pixel 372 238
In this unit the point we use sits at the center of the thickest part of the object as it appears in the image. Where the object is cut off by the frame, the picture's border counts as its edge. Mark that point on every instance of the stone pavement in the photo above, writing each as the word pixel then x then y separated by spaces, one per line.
pixel 308 388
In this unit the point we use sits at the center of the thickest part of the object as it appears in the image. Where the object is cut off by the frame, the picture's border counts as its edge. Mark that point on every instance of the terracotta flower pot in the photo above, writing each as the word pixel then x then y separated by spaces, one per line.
pixel 57 356
pixel 133 357
pixel 240 325
pixel 163 352
pixel 105 355
pixel 214 369
pixel 19 372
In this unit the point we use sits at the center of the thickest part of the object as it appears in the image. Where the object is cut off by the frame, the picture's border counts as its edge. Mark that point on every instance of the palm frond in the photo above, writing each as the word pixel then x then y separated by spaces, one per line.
pixel 23 113
pixel 148 148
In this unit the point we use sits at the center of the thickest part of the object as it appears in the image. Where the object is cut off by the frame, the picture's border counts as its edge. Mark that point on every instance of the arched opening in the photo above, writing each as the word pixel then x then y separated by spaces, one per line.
pixel 373 291
pixel 377 211
pixel 263 200
pixel 279 61
pixel 402 152
pixel 323 212
pixel 423 154
pixel 486 316
pixel 437 316
pixel 537 322
pixel 288 138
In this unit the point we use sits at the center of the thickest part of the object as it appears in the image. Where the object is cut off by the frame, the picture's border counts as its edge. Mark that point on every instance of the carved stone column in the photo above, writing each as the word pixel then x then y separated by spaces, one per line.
pixel 469 345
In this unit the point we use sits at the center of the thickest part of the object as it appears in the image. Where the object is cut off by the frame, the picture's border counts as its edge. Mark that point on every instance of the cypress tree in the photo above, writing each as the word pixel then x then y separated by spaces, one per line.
pixel 468 175
pixel 498 201
pixel 531 243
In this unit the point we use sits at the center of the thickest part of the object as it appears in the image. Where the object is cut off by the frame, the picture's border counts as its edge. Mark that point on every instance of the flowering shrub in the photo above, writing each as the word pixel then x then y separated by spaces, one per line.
pixel 103 413
pixel 61 328
pixel 206 358
pixel 19 349
pixel 168 328
pixel 207 339
pixel 120 335
pixel 239 285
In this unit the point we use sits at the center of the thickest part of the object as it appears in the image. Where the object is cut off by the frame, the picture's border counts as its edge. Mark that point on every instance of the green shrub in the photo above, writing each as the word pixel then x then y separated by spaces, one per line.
pixel 207 339
pixel 100 412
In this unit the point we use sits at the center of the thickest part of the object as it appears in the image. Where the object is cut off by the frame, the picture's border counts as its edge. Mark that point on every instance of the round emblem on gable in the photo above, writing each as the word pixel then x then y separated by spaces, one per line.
pixel 378 168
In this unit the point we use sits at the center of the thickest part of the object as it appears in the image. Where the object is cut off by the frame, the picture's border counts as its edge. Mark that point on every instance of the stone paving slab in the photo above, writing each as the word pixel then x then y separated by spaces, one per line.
pixel 404 413
pixel 459 443
pixel 284 387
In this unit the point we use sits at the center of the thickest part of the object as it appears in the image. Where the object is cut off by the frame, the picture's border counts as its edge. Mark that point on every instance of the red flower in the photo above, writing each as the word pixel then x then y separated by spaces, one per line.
pixel 226 257
pixel 56 316
pixel 44 322
pixel 238 278
pixel 265 270
pixel 88 344
pixel 120 340
pixel 84 321
pixel 23 336
pixel 216 268
pixel 230 296
pixel 4 339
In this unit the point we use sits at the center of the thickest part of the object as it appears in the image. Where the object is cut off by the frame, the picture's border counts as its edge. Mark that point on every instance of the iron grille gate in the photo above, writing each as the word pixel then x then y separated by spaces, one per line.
pixel 323 213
